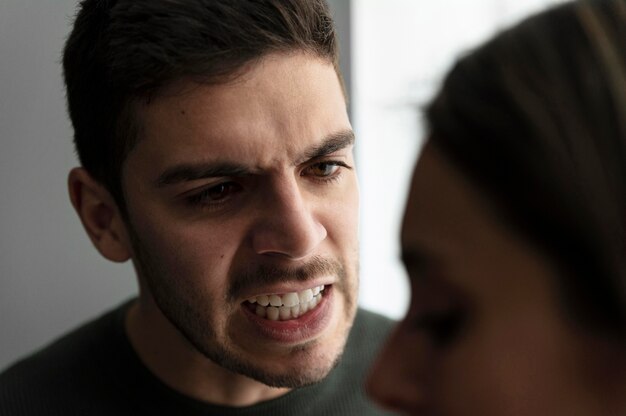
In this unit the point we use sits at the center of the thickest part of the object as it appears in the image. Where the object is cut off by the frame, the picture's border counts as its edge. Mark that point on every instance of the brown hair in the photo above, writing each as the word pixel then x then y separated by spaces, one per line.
pixel 121 51
pixel 536 118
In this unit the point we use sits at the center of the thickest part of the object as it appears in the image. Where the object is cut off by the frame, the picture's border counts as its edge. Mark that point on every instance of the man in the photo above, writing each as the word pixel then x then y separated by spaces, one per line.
pixel 216 154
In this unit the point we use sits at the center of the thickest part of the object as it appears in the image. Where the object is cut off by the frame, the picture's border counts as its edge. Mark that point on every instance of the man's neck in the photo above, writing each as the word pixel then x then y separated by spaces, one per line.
pixel 170 357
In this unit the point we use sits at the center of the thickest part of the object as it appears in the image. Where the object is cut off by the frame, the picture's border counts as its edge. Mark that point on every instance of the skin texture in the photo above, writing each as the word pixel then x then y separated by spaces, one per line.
pixel 236 190
pixel 486 333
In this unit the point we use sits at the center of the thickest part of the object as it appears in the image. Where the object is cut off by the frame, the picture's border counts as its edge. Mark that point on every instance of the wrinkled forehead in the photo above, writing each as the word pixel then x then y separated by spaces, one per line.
pixel 142 103
pixel 282 103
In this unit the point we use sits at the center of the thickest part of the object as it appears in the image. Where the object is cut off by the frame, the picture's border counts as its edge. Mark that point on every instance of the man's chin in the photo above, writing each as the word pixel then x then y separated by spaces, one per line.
pixel 296 376
pixel 288 367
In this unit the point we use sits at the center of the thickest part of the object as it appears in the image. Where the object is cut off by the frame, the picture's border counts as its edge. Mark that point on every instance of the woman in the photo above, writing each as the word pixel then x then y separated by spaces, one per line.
pixel 514 236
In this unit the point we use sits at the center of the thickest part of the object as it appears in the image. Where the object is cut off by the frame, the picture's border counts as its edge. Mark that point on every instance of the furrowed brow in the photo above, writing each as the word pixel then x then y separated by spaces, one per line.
pixel 331 144
pixel 191 172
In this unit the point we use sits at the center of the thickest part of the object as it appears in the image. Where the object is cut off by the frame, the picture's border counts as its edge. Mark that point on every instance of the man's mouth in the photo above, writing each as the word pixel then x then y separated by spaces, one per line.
pixel 286 306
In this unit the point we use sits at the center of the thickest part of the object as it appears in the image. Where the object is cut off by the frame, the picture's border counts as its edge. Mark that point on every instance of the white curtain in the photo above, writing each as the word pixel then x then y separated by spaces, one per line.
pixel 400 51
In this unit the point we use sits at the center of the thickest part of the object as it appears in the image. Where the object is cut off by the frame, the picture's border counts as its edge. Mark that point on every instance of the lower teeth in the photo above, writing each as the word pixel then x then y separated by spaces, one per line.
pixel 284 313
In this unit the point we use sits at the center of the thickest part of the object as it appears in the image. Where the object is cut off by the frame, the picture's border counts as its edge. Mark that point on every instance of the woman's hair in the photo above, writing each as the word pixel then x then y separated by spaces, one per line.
pixel 536 119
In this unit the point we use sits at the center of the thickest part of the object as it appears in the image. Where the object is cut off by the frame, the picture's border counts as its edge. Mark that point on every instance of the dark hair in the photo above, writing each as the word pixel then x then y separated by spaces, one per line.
pixel 124 51
pixel 536 118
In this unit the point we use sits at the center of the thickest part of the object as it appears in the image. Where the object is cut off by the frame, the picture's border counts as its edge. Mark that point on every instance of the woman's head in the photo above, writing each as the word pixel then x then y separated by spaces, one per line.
pixel 515 230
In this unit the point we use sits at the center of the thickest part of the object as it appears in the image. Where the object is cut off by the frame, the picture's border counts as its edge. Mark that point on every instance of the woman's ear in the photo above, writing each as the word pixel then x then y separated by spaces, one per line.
pixel 100 216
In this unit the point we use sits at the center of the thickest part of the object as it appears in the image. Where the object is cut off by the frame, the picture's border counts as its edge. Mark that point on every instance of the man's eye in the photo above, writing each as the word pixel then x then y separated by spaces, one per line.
pixel 325 170
pixel 215 194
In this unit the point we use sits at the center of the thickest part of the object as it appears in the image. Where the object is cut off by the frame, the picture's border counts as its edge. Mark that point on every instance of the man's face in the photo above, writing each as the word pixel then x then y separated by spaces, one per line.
pixel 245 193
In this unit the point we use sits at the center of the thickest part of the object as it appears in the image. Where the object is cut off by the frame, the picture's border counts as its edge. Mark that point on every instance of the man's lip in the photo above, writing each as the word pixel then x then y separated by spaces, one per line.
pixel 283 288
pixel 293 331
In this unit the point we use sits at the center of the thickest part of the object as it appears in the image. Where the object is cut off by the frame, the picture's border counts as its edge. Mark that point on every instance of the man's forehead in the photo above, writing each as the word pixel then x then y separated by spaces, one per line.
pixel 286 87
pixel 271 71
pixel 256 119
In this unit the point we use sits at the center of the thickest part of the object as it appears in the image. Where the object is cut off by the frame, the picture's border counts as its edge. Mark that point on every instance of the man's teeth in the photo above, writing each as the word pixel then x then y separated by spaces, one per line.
pixel 288 305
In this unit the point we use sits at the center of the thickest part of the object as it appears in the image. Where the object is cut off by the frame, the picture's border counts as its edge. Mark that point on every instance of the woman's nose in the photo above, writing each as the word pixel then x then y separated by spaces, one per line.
pixel 396 378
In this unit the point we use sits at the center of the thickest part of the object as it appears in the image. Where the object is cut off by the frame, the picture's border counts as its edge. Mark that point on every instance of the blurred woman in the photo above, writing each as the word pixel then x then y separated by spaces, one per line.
pixel 514 235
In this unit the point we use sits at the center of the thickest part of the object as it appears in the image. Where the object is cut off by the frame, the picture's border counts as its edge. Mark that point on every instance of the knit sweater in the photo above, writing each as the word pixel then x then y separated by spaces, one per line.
pixel 95 371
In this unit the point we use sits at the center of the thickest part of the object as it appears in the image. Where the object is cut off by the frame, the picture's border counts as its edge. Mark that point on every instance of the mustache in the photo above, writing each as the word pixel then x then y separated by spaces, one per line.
pixel 244 280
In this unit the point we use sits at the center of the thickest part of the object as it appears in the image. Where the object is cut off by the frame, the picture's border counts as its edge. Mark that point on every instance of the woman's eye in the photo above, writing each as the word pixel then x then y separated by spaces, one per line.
pixel 442 327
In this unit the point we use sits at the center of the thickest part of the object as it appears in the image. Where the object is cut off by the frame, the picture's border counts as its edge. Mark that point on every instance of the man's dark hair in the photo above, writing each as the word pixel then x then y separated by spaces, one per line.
pixel 536 119
pixel 122 52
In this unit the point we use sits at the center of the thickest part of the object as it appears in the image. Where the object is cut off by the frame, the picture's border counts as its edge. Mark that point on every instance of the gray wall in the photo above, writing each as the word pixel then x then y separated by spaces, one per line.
pixel 51 278
pixel 342 13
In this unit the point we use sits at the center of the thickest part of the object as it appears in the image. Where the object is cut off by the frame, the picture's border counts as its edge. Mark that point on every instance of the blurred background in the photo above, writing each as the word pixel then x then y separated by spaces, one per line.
pixel 51 279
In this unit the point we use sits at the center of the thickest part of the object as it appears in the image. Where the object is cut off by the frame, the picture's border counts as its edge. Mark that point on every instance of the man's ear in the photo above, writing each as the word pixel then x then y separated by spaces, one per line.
pixel 100 215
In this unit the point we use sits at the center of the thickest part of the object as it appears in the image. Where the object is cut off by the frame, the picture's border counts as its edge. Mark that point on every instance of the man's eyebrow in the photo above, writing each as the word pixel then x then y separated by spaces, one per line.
pixel 331 144
pixel 191 172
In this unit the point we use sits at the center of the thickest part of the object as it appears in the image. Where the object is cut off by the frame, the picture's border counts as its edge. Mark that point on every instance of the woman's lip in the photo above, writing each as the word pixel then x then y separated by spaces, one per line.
pixel 283 288
pixel 297 330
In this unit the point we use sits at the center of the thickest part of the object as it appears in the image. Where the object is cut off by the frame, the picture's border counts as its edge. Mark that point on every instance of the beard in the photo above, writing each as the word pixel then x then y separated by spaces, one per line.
pixel 187 310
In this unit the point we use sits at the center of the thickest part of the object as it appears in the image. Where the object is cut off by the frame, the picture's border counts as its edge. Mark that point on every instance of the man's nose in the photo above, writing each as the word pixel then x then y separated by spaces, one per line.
pixel 396 381
pixel 287 225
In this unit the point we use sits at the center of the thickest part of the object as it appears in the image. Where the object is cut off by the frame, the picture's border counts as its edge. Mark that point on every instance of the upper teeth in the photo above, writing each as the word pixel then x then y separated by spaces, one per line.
pixel 287 299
